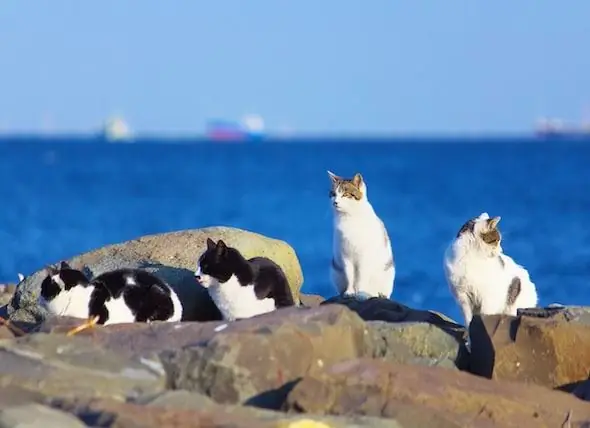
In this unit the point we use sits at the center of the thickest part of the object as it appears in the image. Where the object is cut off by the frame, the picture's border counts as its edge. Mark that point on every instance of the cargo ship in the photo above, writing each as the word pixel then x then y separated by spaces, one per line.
pixel 250 128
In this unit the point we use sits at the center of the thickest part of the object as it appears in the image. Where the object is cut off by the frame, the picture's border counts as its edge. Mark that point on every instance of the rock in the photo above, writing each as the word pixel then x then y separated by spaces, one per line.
pixel 173 257
pixel 383 309
pixel 432 397
pixel 415 343
pixel 401 334
pixel 311 300
pixel 552 352
pixel 577 314
pixel 14 395
pixel 104 412
pixel 255 361
pixel 56 365
pixel 37 416
pixel 136 340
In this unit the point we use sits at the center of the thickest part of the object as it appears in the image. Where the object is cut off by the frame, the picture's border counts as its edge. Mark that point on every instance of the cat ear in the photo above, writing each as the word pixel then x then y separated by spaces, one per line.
pixel 210 244
pixel 50 270
pixel 357 180
pixel 64 265
pixel 333 177
pixel 493 222
pixel 221 247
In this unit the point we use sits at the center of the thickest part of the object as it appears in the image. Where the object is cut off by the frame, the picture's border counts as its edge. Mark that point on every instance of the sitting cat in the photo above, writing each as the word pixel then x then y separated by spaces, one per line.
pixel 482 279
pixel 242 288
pixel 362 259
pixel 118 296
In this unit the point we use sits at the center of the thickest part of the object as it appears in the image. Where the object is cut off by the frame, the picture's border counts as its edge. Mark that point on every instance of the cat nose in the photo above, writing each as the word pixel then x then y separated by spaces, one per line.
pixel 197 277
pixel 335 203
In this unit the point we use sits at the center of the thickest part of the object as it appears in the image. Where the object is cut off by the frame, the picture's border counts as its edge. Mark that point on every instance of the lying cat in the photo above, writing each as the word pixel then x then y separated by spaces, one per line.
pixel 118 296
pixel 242 288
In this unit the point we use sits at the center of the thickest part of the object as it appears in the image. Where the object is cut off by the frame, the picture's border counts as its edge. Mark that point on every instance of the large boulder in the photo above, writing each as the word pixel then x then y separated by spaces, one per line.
pixel 255 361
pixel 398 333
pixel 433 397
pixel 550 348
pixel 173 257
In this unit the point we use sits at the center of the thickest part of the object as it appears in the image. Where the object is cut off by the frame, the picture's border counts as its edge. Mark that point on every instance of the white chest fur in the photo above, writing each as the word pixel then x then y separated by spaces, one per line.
pixel 235 301
pixel 73 302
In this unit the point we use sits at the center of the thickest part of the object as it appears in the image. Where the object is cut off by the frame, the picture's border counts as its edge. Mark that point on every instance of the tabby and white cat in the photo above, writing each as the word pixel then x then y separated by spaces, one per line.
pixel 362 258
pixel 482 279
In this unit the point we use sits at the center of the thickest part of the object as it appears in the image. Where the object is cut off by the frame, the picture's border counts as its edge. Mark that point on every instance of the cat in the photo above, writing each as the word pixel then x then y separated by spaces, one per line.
pixel 482 279
pixel 362 258
pixel 118 296
pixel 242 288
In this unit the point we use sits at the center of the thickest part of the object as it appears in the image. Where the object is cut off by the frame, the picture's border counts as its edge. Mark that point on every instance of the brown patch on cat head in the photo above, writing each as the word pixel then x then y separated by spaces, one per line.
pixel 468 227
pixel 490 234
pixel 350 188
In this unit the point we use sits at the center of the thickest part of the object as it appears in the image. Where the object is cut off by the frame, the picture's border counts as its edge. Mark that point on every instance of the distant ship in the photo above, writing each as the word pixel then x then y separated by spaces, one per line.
pixel 116 129
pixel 250 128
pixel 556 128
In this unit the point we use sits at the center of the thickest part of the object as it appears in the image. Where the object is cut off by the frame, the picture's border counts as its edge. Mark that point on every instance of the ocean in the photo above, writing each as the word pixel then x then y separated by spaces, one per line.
pixel 61 198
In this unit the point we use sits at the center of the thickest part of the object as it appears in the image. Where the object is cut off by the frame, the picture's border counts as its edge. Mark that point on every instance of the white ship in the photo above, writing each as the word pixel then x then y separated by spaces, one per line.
pixel 116 129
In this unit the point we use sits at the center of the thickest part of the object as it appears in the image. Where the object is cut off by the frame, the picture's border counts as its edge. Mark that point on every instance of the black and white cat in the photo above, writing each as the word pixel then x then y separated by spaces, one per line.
pixel 118 296
pixel 242 288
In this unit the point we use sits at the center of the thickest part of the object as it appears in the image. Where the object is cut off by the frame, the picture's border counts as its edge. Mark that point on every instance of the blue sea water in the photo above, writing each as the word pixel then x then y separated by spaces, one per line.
pixel 62 198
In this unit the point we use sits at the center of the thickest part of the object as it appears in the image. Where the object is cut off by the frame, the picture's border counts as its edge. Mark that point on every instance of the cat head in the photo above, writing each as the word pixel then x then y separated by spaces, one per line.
pixel 216 265
pixel 60 278
pixel 482 233
pixel 346 194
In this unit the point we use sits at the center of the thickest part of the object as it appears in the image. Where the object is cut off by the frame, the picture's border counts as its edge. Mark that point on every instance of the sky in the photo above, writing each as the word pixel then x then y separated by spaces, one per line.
pixel 308 66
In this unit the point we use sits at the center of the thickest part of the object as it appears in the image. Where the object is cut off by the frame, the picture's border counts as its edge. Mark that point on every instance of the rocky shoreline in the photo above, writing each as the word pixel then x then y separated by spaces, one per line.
pixel 341 362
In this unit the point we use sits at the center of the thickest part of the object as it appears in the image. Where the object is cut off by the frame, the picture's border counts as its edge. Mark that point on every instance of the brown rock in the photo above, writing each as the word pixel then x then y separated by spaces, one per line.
pixel 546 351
pixel 142 339
pixel 254 361
pixel 441 396
pixel 104 412
pixel 311 300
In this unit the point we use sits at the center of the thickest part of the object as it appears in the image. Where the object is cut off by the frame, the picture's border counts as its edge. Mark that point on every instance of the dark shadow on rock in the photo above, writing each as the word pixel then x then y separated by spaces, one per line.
pixel 580 389
pixel 383 309
pixel 547 312
pixel 197 304
pixel 4 312
pixel 387 310
pixel 483 356
pixel 273 399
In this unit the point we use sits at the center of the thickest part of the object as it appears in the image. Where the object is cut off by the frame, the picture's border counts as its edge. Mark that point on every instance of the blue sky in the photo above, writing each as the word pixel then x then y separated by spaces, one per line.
pixel 307 65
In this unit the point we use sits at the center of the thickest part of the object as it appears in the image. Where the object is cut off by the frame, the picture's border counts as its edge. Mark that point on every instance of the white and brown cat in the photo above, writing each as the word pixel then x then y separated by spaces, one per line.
pixel 482 279
pixel 362 258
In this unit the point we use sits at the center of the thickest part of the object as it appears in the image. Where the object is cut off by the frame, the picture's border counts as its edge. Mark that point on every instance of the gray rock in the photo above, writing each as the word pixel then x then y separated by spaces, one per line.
pixel 415 343
pixel 56 365
pixel 37 416
pixel 172 256
pixel 179 399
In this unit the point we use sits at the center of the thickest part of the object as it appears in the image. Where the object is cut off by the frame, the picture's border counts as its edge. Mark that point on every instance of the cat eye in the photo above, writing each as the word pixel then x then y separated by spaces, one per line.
pixel 332 193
